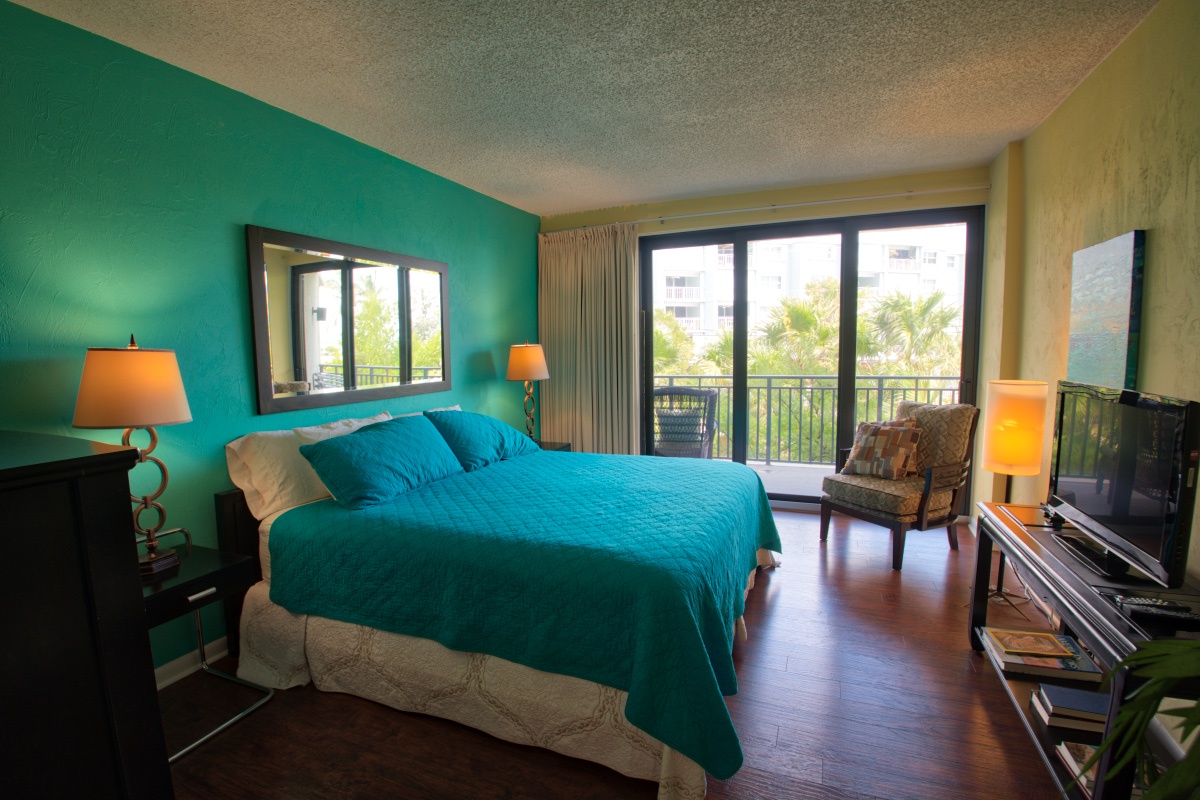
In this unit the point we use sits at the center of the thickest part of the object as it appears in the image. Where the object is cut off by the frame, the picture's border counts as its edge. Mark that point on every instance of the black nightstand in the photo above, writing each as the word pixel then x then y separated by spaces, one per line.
pixel 204 576
pixel 562 446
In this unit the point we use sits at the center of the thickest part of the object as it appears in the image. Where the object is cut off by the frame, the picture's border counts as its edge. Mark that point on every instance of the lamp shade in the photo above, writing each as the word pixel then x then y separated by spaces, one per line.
pixel 1013 427
pixel 130 387
pixel 527 362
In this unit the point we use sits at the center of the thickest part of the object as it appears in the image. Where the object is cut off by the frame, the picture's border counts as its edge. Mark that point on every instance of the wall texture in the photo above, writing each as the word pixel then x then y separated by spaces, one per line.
pixel 1121 153
pixel 125 187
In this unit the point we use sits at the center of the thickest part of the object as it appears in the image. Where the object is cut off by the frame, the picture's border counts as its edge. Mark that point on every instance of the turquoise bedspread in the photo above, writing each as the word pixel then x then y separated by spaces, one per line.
pixel 624 570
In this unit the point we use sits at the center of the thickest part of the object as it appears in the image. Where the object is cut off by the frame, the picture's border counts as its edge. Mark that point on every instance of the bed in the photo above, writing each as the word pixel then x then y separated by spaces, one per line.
pixel 583 603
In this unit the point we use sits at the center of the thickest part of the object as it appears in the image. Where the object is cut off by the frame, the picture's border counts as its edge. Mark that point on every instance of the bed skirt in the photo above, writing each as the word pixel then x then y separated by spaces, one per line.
pixel 513 702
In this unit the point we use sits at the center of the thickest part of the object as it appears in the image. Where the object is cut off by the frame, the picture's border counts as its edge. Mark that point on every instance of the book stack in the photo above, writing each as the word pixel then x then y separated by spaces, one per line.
pixel 1048 655
pixel 1074 756
pixel 1064 707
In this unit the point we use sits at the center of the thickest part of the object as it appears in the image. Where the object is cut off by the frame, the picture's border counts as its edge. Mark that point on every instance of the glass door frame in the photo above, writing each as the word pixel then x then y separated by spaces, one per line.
pixel 849 229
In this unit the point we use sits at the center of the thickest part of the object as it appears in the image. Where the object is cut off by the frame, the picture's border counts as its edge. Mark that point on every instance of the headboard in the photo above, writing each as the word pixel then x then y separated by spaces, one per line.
pixel 237 532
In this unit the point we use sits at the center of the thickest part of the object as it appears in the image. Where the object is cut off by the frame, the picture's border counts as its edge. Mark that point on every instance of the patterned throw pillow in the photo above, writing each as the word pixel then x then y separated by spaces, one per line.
pixel 947 432
pixel 883 449
pixel 901 421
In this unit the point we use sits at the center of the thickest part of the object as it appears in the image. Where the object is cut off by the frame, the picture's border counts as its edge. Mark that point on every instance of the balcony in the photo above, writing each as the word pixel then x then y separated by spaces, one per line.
pixel 684 293
pixel 791 429
pixel 332 376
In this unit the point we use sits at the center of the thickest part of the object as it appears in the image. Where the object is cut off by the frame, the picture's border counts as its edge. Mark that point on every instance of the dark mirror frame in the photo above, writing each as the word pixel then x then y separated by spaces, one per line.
pixel 268 402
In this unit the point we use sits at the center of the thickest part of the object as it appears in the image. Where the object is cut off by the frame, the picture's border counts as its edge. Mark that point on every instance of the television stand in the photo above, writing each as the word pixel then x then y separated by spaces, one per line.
pixel 1052 570
pixel 1097 559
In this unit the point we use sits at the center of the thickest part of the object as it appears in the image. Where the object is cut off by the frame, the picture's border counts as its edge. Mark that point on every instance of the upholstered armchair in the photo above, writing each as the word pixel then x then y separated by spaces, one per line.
pixel 929 496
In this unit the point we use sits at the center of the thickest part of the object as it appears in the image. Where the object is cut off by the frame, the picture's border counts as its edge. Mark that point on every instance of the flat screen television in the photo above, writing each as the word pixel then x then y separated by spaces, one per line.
pixel 1124 474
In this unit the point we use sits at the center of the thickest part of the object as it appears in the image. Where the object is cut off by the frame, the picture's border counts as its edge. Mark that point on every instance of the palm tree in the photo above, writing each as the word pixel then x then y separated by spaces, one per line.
pixel 800 337
pixel 673 347
pixel 720 353
pixel 913 333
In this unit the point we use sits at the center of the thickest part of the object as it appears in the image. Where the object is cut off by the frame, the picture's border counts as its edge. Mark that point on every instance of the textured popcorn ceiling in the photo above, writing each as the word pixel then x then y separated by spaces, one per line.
pixel 583 104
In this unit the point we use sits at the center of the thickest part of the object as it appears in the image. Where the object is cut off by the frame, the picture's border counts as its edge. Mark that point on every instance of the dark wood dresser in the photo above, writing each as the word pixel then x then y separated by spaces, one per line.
pixel 81 715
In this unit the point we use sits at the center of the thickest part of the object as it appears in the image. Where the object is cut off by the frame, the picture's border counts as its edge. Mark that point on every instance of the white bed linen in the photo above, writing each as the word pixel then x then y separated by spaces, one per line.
pixel 513 702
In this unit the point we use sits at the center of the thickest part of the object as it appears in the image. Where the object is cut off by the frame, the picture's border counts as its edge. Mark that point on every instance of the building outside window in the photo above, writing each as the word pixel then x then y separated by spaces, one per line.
pixel 683 287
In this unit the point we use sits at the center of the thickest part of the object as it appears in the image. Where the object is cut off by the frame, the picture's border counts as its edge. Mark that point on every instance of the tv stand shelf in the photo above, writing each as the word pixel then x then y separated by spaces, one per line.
pixel 1072 591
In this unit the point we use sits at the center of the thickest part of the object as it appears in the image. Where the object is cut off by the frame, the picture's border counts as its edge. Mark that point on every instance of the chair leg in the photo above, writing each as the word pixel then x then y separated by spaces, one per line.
pixel 825 512
pixel 952 535
pixel 897 548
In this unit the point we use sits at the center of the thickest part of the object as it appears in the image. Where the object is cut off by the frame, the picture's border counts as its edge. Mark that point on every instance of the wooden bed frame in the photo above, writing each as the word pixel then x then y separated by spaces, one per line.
pixel 237 532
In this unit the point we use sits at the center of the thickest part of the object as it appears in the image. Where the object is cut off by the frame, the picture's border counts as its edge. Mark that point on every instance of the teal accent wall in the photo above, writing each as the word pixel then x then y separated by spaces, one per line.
pixel 125 184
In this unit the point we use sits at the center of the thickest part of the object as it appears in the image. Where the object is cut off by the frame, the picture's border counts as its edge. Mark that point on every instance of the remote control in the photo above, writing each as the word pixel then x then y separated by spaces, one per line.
pixel 1152 602
pixel 1165 617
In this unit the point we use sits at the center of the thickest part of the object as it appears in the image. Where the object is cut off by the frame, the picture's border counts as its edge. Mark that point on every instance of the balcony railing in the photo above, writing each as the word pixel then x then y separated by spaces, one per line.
pixel 792 418
pixel 333 375
pixel 685 293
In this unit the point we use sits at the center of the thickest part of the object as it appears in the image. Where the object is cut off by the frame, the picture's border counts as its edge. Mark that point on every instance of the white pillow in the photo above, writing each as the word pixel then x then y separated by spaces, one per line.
pixel 318 433
pixel 268 468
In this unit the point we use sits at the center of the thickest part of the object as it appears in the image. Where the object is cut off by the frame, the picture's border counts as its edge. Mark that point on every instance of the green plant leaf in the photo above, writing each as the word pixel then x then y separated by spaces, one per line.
pixel 1162 663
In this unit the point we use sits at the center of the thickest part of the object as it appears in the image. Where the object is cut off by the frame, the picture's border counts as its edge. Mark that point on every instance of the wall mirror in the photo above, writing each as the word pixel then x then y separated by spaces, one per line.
pixel 336 323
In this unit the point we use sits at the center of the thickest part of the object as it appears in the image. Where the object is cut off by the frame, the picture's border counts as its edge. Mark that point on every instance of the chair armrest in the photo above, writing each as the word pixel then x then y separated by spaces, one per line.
pixel 843 455
pixel 943 478
pixel 947 476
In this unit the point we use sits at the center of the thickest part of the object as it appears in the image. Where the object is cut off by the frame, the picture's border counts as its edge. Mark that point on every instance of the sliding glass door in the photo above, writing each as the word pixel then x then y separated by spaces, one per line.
pixel 691 346
pixel 793 342
pixel 911 292
pixel 789 335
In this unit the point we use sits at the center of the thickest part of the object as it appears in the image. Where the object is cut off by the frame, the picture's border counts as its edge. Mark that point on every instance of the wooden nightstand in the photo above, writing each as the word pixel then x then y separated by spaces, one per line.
pixel 204 577
pixel 562 446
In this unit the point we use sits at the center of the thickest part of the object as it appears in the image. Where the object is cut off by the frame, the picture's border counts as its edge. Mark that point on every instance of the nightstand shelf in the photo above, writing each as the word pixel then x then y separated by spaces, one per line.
pixel 564 447
pixel 204 577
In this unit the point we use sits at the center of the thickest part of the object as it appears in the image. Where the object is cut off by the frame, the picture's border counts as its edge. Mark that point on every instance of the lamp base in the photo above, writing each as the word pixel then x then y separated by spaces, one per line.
pixel 157 564
pixel 530 406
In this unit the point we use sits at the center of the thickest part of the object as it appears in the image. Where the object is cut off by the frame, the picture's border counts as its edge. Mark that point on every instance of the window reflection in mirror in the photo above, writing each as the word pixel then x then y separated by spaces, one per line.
pixel 343 323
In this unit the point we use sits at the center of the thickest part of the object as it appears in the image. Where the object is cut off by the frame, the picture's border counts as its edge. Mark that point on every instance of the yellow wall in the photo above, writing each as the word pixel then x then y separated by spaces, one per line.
pixel 1121 153
pixel 1000 317
pixel 961 187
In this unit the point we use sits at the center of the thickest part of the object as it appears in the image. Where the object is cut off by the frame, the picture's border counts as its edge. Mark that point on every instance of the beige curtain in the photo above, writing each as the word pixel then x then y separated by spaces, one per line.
pixel 587 325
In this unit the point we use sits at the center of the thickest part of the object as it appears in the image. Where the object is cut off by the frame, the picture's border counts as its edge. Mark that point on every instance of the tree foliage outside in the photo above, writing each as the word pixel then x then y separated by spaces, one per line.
pixel 377 333
pixel 376 328
pixel 798 346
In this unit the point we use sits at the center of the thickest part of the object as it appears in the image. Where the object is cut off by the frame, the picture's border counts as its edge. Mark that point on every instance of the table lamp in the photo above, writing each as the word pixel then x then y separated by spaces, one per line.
pixel 527 362
pixel 136 388
pixel 1013 431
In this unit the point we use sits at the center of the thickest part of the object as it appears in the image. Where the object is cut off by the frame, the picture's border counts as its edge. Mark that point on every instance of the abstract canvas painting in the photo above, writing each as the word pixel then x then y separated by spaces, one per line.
pixel 1106 303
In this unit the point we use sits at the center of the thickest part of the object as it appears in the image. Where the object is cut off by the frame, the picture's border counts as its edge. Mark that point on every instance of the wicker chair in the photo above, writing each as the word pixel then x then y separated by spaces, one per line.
pixel 929 499
pixel 685 421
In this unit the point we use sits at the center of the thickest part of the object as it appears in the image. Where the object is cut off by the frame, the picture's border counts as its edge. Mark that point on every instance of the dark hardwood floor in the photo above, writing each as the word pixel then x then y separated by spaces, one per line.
pixel 857 683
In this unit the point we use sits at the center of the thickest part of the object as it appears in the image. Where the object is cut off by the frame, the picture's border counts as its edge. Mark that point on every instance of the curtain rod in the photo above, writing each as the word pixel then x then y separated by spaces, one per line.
pixel 801 204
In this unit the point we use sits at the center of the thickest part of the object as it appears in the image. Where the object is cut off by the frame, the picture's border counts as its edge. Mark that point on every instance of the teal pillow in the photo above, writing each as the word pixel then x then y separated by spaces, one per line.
pixel 479 440
pixel 380 462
